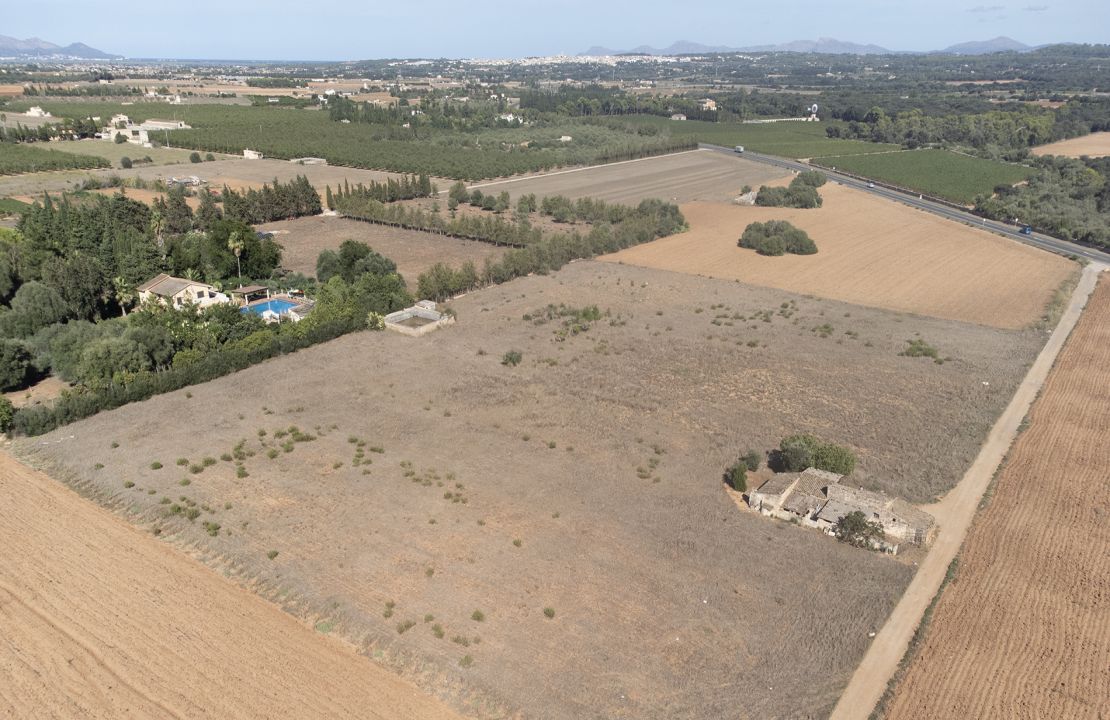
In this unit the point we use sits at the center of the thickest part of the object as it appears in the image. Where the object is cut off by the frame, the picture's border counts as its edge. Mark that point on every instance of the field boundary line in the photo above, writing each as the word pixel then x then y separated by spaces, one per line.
pixel 574 170
pixel 954 514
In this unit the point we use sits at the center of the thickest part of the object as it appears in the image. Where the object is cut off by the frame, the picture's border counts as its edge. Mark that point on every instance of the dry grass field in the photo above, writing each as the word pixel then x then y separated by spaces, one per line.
pixel 237 173
pixel 681 177
pixel 1024 629
pixel 114 152
pixel 446 500
pixel 104 621
pixel 413 251
pixel 870 252
pixel 1093 145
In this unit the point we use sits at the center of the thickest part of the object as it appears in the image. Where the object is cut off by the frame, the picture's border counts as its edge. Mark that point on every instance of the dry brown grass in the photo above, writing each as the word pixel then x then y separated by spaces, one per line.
pixel 602 454
pixel 871 252
pixel 1024 630
pixel 303 239
pixel 1094 145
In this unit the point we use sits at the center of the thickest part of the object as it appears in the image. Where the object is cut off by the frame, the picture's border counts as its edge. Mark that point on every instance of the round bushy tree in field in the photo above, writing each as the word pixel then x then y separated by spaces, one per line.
pixel 737 476
pixel 776 237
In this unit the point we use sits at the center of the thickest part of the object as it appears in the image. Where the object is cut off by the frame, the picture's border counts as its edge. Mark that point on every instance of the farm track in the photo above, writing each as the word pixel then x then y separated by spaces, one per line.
pixel 100 620
pixel 1024 630
pixel 954 515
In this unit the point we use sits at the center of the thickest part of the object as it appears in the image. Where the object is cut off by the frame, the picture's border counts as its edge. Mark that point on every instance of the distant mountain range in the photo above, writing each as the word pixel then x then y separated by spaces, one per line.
pixel 985 47
pixel 37 47
pixel 828 46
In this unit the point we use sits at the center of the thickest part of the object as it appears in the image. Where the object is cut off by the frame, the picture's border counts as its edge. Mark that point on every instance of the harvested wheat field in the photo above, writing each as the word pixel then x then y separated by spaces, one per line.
pixel 1023 631
pixel 870 252
pixel 414 251
pixel 1094 145
pixel 426 480
pixel 678 177
pixel 101 620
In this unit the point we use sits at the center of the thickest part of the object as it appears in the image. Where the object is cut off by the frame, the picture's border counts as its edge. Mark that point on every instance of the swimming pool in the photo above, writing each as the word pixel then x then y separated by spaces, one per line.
pixel 277 306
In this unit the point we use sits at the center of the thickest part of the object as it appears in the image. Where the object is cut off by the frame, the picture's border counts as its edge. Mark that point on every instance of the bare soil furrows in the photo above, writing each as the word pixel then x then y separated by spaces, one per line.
pixel 100 620
pixel 681 177
pixel 1024 629
pixel 871 252
pixel 585 480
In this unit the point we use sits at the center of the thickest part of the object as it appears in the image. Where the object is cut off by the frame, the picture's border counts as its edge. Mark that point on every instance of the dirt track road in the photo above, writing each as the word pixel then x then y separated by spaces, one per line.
pixel 954 515
pixel 100 620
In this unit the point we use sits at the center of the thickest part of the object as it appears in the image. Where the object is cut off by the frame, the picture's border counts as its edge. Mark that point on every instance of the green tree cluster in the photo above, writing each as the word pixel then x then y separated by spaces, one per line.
pixel 276 201
pixel 352 260
pixel 392 190
pixel 798 452
pixel 776 237
pixel 647 221
pixel 801 193
pixel 856 530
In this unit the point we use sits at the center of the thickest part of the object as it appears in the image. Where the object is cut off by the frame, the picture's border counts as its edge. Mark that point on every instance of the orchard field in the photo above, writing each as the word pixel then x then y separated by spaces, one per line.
pixel 288 133
pixel 21 158
pixel 786 139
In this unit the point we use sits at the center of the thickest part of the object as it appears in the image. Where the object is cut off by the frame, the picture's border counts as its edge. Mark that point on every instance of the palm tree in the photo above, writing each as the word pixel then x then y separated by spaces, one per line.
pixel 235 244
pixel 125 294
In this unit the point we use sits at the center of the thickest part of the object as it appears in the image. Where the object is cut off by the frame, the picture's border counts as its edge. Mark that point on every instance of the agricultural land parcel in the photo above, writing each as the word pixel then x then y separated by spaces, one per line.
pixel 289 133
pixel 1093 145
pixel 680 177
pixel 18 158
pixel 600 454
pixel 871 252
pixel 414 251
pixel 1024 628
pixel 104 621
pixel 949 175
pixel 114 152
pixel 235 173
pixel 787 139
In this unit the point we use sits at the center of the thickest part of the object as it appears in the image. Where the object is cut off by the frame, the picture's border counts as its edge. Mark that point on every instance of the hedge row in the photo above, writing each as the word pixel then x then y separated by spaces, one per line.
pixel 80 404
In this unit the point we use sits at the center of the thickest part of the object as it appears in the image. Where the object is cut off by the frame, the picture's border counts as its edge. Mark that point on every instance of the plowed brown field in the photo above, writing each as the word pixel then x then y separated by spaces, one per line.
pixel 1094 145
pixel 871 252
pixel 1024 629
pixel 100 620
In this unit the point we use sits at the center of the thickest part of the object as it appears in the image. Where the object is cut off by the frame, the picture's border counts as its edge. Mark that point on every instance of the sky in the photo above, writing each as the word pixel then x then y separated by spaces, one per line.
pixel 343 30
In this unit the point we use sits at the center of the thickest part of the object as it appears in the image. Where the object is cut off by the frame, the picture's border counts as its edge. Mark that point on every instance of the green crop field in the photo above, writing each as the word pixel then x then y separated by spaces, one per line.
pixel 786 139
pixel 20 158
pixel 9 206
pixel 937 172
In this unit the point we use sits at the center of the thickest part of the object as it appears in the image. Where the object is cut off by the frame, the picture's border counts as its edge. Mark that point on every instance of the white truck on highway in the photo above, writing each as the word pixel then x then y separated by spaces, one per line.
pixel 739 148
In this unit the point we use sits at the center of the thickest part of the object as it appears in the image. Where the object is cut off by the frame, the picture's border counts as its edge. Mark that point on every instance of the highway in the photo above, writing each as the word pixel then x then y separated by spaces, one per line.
pixel 1040 240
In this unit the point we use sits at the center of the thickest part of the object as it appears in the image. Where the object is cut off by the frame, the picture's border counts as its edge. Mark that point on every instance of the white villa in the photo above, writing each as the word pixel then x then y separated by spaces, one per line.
pixel 179 292
pixel 138 133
